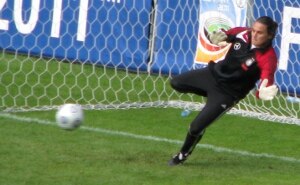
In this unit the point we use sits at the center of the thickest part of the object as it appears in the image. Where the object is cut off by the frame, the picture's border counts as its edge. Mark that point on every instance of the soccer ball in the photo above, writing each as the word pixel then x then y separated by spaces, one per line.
pixel 69 116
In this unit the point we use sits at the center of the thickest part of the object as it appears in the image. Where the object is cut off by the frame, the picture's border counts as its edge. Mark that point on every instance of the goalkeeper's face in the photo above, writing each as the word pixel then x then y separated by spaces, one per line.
pixel 259 34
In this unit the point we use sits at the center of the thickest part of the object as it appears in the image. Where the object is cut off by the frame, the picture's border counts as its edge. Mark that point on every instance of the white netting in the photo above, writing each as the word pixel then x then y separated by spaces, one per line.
pixel 121 54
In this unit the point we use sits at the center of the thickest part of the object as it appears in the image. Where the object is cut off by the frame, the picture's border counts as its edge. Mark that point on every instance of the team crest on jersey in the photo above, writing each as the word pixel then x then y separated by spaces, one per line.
pixel 237 46
pixel 245 66
pixel 249 62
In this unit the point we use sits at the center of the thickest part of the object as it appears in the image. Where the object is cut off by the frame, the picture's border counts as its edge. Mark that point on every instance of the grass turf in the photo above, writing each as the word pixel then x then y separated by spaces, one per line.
pixel 32 153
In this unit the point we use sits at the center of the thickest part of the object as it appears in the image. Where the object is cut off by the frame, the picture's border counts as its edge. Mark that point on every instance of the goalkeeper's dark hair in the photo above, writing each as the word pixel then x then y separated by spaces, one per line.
pixel 271 25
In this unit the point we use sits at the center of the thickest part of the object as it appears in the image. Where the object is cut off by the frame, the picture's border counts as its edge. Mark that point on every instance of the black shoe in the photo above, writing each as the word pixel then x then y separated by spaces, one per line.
pixel 178 159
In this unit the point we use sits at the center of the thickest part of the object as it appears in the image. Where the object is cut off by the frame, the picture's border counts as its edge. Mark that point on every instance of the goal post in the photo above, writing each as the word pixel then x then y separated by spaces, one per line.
pixel 121 54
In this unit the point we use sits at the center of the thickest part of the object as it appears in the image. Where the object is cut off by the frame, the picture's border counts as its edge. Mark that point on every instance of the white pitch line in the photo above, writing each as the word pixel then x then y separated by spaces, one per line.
pixel 154 138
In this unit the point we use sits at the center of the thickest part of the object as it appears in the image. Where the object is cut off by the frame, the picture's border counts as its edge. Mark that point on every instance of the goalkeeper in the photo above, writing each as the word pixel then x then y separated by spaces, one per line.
pixel 250 58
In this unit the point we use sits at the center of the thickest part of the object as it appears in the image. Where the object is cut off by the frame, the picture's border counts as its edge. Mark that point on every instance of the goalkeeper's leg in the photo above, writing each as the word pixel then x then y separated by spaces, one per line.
pixel 187 149
pixel 214 108
pixel 190 142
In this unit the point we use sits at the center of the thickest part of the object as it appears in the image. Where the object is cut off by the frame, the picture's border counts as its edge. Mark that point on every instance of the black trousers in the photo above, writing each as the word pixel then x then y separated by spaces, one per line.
pixel 202 82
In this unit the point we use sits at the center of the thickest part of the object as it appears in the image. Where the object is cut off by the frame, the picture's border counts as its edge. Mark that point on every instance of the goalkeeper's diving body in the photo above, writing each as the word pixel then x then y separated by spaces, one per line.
pixel 250 59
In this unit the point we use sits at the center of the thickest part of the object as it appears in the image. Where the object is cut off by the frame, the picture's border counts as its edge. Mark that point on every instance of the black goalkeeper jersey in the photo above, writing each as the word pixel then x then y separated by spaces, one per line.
pixel 241 68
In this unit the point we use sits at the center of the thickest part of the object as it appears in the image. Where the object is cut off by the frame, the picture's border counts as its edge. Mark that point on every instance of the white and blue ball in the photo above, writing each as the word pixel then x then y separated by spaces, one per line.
pixel 69 116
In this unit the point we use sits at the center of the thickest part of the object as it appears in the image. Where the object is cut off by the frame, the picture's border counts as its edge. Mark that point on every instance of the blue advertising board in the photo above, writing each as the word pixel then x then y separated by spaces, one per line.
pixel 112 33
pixel 175 41
pixel 117 33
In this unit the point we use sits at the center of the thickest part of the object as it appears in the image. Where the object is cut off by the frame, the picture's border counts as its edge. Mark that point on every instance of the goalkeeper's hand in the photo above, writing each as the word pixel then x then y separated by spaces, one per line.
pixel 218 38
pixel 267 93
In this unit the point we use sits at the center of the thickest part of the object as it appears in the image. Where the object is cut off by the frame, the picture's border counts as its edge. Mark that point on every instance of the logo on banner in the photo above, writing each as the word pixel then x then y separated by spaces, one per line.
pixel 214 16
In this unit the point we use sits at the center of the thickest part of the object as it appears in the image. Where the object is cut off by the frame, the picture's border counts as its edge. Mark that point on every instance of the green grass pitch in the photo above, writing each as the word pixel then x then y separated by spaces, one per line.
pixel 133 147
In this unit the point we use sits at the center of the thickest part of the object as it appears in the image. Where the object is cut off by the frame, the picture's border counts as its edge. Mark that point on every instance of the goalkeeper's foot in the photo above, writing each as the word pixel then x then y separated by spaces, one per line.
pixel 178 159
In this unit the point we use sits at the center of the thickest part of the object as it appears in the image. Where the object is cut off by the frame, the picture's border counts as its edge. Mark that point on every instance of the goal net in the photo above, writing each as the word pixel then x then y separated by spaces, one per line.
pixel 113 54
